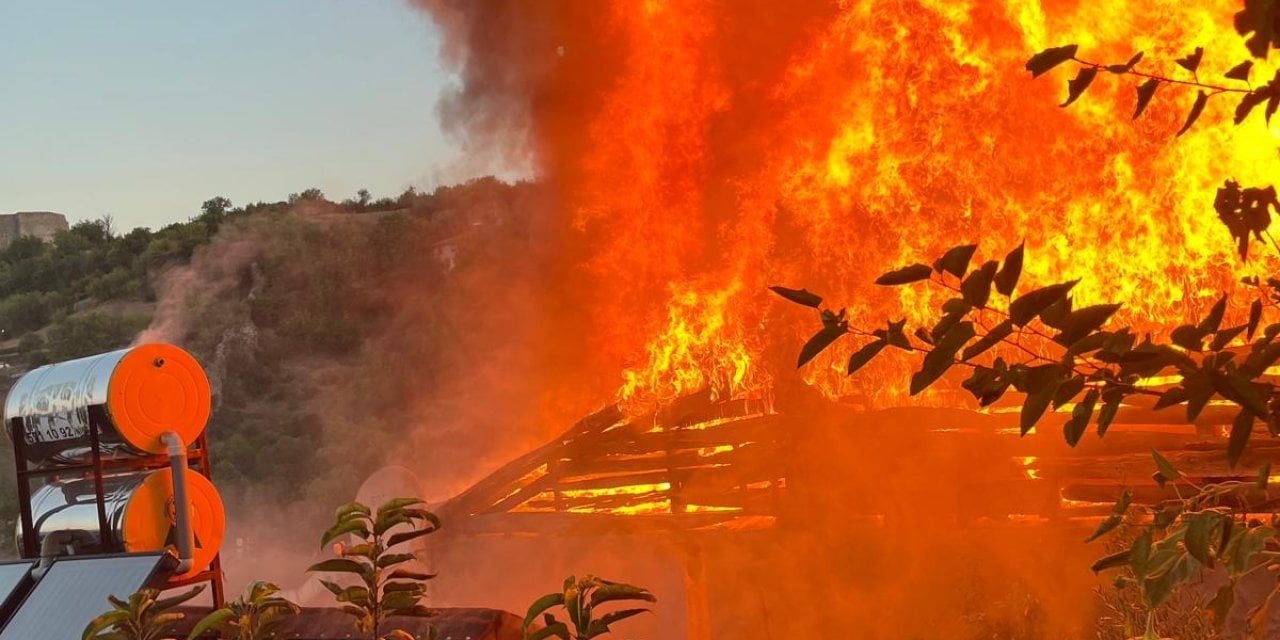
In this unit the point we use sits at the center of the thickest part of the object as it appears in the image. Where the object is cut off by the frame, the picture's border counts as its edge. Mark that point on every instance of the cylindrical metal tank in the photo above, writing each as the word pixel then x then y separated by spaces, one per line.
pixel 140 513
pixel 142 392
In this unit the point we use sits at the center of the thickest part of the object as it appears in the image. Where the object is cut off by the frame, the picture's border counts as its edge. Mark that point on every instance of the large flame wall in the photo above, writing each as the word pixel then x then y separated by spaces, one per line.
pixel 704 150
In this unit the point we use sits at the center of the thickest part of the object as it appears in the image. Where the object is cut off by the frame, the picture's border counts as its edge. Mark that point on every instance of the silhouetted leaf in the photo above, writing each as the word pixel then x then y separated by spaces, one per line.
pixel 956 260
pixel 1188 337
pixel 1111 399
pixel 1196 109
pixel 993 337
pixel 1070 387
pixel 1029 305
pixel 1077 85
pixel 1212 321
pixel 1273 102
pixel 896 335
pixel 1007 278
pixel 1114 560
pixel 1146 91
pixel 1202 530
pixel 1258 17
pixel 905 275
pixel 1171 397
pixel 1224 337
pixel 976 288
pixel 1164 467
pixel 1082 322
pixel 799 296
pixel 1240 71
pixel 1050 58
pixel 820 341
pixel 1075 427
pixel 1264 476
pixel 1126 67
pixel 1247 102
pixel 937 362
pixel 1042 385
pixel 1192 61
pixel 1255 315
pixel 864 355
pixel 1241 428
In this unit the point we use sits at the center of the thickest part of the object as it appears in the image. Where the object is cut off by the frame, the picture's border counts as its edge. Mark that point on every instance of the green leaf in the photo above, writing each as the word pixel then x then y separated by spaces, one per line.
pixel 1203 528
pixel 104 622
pixel 405 574
pixel 993 337
pixel 1164 467
pixel 394 505
pixel 976 288
pixel 937 362
pixel 1026 307
pixel 559 630
pixel 1077 85
pixel 351 510
pixel 1111 522
pixel 1111 561
pixel 392 559
pixel 905 275
pixel 819 342
pixel 615 592
pixel 1007 278
pixel 1192 61
pixel 1255 315
pixel 163 604
pixel 1213 321
pixel 1140 554
pixel 1196 109
pixel 864 355
pixel 340 565
pixel 1050 58
pixel 353 526
pixel 1075 427
pixel 214 621
pixel 799 296
pixel 1241 428
pixel 406 536
pixel 1146 91
pixel 956 260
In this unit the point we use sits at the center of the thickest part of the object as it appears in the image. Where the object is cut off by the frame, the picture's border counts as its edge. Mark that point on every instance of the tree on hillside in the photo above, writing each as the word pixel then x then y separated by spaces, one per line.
pixel 1039 344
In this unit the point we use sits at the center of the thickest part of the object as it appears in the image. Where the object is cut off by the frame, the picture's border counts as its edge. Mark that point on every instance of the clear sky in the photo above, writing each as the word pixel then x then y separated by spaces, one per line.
pixel 143 109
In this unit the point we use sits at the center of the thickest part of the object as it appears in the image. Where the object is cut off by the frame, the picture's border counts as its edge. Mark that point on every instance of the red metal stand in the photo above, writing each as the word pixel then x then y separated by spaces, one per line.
pixel 98 468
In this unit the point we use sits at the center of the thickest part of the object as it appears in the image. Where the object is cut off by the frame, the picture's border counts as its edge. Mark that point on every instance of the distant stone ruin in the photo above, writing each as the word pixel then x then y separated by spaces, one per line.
pixel 41 224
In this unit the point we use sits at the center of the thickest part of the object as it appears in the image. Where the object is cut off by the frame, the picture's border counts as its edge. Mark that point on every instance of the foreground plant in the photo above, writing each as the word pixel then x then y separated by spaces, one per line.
pixel 386 588
pixel 144 616
pixel 256 615
pixel 580 598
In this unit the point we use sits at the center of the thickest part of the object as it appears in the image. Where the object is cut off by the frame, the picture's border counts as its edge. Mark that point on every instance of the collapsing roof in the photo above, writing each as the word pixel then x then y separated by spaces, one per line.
pixel 695 464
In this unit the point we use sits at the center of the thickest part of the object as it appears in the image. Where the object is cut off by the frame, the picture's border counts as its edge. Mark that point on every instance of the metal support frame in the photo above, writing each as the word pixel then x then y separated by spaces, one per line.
pixel 198 459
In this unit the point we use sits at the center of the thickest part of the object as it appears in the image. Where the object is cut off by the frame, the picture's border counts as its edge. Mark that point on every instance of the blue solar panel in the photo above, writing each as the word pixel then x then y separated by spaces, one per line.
pixel 74 591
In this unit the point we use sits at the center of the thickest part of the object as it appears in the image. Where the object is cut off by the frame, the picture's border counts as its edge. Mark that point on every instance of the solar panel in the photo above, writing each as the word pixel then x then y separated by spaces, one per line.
pixel 15 580
pixel 74 591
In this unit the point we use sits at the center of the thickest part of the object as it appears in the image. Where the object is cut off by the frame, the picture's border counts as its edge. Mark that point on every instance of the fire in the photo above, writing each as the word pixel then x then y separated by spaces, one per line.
pixel 703 151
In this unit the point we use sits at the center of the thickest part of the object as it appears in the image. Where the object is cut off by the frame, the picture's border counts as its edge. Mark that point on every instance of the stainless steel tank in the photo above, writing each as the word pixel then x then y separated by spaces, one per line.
pixel 141 393
pixel 140 513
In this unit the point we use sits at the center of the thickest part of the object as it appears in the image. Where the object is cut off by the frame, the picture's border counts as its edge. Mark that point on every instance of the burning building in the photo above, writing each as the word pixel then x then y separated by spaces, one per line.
pixel 696 153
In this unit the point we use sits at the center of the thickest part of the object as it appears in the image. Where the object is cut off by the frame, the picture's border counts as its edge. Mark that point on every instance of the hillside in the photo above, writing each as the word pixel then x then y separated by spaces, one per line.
pixel 317 322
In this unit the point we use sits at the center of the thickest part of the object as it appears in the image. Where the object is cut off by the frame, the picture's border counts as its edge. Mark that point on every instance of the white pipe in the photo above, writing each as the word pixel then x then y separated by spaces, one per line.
pixel 182 510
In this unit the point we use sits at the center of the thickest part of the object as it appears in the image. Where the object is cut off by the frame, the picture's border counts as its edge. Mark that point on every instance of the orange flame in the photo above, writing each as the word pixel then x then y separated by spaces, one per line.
pixel 708 150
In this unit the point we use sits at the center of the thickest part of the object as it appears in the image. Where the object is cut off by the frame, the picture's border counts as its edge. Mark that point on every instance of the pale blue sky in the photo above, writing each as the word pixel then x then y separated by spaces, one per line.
pixel 144 108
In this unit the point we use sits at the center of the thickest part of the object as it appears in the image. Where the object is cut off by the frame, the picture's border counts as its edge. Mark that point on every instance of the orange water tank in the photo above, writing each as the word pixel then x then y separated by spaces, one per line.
pixel 140 393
